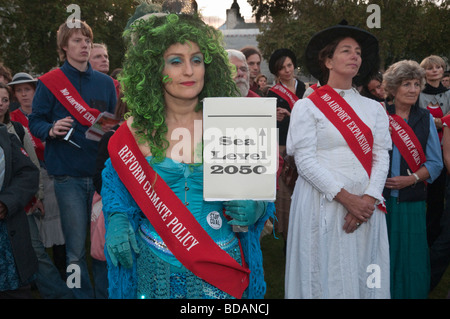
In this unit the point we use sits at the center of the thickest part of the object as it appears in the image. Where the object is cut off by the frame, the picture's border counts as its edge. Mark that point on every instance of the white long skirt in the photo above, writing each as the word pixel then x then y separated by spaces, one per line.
pixel 323 261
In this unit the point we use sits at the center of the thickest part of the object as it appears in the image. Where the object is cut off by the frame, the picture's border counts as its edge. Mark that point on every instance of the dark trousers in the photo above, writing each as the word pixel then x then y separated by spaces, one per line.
pixel 23 292
pixel 440 249
pixel 435 206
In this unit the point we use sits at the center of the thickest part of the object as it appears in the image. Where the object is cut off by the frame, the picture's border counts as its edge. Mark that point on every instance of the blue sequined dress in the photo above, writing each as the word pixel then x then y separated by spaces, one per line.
pixel 156 273
pixel 9 277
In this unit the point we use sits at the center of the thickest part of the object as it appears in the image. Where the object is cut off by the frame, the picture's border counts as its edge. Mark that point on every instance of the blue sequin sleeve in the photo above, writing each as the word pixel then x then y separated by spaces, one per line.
pixel 116 198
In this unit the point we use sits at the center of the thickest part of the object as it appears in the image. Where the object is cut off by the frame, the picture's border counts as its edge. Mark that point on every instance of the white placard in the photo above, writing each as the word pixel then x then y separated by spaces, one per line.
pixel 240 155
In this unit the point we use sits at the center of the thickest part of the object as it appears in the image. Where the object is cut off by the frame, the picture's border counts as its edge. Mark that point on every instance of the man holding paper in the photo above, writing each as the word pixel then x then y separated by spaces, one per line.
pixel 67 102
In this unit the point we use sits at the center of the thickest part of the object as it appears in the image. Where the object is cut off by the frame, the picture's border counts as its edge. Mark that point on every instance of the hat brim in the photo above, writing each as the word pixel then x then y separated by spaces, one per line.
pixel 369 50
pixel 279 53
pixel 21 82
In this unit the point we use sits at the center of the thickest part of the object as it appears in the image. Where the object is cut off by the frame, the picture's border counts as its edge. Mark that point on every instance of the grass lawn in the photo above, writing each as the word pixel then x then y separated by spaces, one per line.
pixel 274 263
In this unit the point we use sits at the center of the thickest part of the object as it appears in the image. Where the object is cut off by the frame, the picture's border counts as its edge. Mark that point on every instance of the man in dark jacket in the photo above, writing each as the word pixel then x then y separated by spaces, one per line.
pixel 66 102
pixel 19 182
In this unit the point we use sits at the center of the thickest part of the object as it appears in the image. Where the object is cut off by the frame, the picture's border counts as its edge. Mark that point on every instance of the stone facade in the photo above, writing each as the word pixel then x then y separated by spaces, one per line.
pixel 237 34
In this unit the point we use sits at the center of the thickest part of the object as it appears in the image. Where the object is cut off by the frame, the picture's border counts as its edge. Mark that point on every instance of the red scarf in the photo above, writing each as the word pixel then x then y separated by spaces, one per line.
pixel 58 83
pixel 176 225
pixel 407 142
pixel 285 93
pixel 357 134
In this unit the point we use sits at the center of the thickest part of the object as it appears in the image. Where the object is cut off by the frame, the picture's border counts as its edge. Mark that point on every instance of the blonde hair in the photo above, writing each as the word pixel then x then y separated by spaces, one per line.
pixel 432 60
pixel 260 76
pixel 65 32
pixel 100 45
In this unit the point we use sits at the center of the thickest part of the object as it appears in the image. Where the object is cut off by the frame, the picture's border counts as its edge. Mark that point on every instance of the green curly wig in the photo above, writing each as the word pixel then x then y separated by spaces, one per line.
pixel 142 79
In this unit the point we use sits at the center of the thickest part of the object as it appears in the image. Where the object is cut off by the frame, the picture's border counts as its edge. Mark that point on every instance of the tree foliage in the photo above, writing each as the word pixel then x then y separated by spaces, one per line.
pixel 410 29
pixel 28 30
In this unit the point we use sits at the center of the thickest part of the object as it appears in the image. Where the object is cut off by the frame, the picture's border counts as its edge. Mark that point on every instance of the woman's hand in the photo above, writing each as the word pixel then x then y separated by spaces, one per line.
pixel 438 123
pixel 244 212
pixel 40 205
pixel 282 113
pixel 351 222
pixel 120 240
pixel 360 207
pixel 399 182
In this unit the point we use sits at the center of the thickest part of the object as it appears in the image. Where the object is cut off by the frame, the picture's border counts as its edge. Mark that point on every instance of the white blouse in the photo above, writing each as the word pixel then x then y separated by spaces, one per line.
pixel 322 155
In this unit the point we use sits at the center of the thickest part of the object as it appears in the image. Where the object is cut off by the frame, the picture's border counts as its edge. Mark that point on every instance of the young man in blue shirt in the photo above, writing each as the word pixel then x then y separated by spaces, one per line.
pixel 71 160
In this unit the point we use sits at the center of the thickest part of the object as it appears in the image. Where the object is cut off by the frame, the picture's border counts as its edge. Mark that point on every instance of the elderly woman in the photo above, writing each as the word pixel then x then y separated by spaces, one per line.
pixel 162 239
pixel 337 240
pixel 414 161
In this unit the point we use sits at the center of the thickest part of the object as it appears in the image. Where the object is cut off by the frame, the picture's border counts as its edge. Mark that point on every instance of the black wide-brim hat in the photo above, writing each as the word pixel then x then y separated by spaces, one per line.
pixel 369 50
pixel 278 54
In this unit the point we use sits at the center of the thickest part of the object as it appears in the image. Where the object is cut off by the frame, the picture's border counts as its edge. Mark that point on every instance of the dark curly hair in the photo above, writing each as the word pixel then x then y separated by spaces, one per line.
pixel 142 79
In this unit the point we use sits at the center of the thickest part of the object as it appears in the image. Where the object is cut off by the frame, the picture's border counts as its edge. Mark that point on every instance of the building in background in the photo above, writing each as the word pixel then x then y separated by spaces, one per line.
pixel 238 33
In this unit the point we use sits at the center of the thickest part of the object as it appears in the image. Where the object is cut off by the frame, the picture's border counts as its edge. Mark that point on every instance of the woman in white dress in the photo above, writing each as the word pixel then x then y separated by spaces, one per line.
pixel 337 243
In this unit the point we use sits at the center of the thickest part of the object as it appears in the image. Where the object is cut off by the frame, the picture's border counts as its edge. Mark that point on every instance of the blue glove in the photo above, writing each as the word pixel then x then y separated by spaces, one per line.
pixel 244 212
pixel 120 239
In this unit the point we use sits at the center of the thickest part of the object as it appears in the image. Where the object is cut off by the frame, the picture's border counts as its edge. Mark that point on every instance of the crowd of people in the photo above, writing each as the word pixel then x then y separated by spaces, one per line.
pixel 362 182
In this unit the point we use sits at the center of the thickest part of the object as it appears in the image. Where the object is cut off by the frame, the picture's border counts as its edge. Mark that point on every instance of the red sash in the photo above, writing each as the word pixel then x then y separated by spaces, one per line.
pixel 357 134
pixel 18 116
pixel 407 142
pixel 57 82
pixel 176 225
pixel 446 120
pixel 285 93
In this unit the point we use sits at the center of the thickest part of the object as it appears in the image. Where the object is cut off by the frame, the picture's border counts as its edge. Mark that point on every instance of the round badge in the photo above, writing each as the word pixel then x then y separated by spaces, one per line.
pixel 214 220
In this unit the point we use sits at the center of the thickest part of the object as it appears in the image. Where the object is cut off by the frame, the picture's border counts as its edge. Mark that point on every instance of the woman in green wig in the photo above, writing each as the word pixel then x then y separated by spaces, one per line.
pixel 172 244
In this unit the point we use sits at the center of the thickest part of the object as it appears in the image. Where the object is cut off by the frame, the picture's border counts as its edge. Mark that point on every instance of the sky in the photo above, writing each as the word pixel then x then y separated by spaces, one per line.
pixel 218 8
